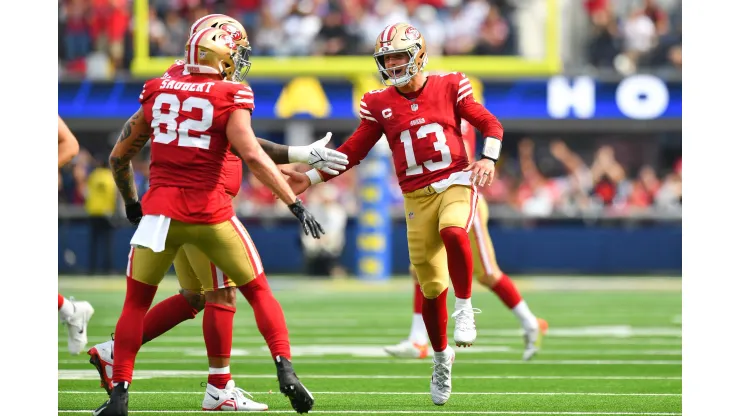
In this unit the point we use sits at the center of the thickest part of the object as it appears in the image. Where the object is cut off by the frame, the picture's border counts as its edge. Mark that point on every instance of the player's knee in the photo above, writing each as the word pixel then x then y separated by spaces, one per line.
pixel 224 296
pixel 432 290
pixel 490 279
pixel 414 275
pixel 455 235
pixel 255 288
pixel 196 299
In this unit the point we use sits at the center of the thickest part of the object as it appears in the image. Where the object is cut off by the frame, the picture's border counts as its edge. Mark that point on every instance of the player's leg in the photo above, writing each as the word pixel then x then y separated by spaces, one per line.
pixel 429 258
pixel 416 345
pixel 269 316
pixel 162 317
pixel 456 214
pixel 488 273
pixel 230 248
pixel 75 315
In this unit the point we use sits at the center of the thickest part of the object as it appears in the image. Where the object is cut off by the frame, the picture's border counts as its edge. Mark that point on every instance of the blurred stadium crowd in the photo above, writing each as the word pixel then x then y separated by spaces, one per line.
pixel 96 36
pixel 536 177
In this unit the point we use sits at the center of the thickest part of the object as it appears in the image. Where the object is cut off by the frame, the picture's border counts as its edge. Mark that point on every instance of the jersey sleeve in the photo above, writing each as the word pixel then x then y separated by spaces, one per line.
pixel 145 91
pixel 241 97
pixel 463 89
pixel 365 108
pixel 358 145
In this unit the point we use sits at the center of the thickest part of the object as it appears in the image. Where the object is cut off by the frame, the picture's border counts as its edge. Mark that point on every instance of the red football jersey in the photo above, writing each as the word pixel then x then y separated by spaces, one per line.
pixel 468 135
pixel 190 156
pixel 423 133
pixel 233 169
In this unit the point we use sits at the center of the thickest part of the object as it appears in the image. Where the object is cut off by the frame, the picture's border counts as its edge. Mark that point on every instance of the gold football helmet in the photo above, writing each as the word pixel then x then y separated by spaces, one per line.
pixel 213 51
pixel 400 38
pixel 237 32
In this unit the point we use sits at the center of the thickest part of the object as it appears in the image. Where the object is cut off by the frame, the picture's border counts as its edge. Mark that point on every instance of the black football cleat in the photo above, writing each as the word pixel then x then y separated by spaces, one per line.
pixel 117 404
pixel 300 398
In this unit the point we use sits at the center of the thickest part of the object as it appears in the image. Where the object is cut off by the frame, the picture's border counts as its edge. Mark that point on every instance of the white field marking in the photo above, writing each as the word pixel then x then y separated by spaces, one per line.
pixel 374 340
pixel 411 393
pixel 414 412
pixel 264 360
pixel 150 374
pixel 606 331
pixel 298 350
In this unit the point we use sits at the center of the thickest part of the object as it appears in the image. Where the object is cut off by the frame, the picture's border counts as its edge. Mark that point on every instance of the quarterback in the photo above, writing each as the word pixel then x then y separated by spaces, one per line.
pixel 420 116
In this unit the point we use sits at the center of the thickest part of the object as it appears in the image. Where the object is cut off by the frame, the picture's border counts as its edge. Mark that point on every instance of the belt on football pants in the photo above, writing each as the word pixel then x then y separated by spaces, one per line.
pixel 425 191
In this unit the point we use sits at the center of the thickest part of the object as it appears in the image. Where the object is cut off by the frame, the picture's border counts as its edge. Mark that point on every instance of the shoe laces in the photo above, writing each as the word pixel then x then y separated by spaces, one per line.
pixel 441 374
pixel 464 318
pixel 241 393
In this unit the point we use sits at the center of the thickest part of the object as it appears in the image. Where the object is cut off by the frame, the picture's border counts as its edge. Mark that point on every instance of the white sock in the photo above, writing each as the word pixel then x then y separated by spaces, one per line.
pixel 526 317
pixel 418 333
pixel 67 309
pixel 222 370
pixel 463 303
pixel 442 355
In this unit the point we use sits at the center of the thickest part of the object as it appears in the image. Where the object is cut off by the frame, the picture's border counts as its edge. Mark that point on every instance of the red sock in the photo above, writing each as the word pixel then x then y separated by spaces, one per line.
pixel 269 316
pixel 166 315
pixel 507 292
pixel 218 330
pixel 418 297
pixel 130 327
pixel 434 312
pixel 60 301
pixel 459 260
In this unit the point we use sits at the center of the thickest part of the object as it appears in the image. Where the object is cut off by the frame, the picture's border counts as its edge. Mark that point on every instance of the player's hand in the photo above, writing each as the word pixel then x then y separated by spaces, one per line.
pixel 318 156
pixel 134 213
pixel 309 223
pixel 482 172
pixel 298 181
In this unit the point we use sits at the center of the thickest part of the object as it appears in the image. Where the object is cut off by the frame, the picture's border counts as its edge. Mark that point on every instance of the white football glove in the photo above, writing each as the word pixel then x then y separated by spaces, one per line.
pixel 318 156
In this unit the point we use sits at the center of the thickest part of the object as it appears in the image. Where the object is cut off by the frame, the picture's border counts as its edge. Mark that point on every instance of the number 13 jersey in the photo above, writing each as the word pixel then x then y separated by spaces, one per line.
pixel 190 151
pixel 424 133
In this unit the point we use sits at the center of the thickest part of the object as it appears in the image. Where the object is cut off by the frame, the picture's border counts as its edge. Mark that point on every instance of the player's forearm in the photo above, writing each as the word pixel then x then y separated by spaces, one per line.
pixel 277 152
pixel 132 139
pixel 356 148
pixel 481 119
pixel 264 169
pixel 67 151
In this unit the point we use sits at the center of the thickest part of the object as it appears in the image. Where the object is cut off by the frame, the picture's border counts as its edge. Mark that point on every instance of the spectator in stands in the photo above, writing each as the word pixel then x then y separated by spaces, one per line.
pixel 603 46
pixel 322 255
pixel 640 37
pixel 537 196
pixel 100 203
pixel 334 38
pixel 495 35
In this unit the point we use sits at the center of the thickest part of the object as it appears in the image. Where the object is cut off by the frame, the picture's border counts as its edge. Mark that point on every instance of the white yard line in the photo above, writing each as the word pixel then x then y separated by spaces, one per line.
pixel 412 412
pixel 425 362
pixel 410 393
pixel 149 374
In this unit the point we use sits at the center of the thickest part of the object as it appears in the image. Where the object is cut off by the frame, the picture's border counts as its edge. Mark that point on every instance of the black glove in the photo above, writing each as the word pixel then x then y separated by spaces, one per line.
pixel 133 213
pixel 307 220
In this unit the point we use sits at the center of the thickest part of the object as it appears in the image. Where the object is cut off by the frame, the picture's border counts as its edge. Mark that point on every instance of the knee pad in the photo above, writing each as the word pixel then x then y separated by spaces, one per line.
pixel 432 290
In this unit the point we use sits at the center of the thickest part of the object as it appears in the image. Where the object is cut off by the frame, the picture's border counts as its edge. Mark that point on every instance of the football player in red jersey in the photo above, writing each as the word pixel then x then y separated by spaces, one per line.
pixel 194 119
pixel 420 116
pixel 73 313
pixel 488 274
pixel 190 263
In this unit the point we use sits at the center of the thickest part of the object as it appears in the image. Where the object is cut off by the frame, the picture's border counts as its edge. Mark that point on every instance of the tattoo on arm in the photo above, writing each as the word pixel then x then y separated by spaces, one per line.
pixel 130 142
pixel 277 152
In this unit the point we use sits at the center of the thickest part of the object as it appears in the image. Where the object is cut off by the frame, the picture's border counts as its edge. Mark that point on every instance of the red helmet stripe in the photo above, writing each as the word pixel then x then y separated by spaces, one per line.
pixel 201 20
pixel 193 55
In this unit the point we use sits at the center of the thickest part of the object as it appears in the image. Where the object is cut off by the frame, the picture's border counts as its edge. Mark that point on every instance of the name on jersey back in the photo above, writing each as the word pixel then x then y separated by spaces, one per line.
pixel 186 86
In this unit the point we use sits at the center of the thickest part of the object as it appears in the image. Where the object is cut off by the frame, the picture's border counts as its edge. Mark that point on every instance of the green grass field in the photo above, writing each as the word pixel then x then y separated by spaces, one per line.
pixel 614 348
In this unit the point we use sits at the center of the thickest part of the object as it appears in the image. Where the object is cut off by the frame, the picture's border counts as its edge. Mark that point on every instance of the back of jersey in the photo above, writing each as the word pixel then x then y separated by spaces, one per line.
pixel 188 114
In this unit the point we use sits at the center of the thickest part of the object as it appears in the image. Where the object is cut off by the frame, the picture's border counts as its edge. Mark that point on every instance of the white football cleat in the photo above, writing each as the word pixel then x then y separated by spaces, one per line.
pixel 77 325
pixel 101 357
pixel 441 384
pixel 465 332
pixel 533 339
pixel 407 349
pixel 230 399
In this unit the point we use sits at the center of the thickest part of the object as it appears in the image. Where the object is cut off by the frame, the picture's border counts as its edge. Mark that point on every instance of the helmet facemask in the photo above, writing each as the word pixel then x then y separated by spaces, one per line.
pixel 241 63
pixel 409 69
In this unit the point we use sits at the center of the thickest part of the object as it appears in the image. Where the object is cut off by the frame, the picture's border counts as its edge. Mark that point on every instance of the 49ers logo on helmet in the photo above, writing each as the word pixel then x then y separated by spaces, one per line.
pixel 412 33
pixel 235 33
pixel 229 41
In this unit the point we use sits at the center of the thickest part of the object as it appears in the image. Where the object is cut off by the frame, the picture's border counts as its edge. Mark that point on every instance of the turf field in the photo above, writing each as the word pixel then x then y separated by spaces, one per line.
pixel 614 348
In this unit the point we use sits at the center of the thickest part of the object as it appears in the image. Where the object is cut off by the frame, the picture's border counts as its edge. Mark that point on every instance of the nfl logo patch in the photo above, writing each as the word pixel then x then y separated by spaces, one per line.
pixel 414 107
pixel 411 215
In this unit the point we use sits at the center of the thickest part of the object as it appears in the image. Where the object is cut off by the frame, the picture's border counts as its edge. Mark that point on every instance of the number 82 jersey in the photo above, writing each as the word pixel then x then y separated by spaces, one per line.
pixel 189 150
pixel 423 133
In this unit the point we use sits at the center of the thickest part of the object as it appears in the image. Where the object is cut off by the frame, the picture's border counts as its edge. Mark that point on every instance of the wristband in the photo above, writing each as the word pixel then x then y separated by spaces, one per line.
pixel 491 148
pixel 314 177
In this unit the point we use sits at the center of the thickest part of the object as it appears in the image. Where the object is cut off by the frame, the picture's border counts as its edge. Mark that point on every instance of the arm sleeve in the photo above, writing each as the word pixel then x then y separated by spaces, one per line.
pixel 242 97
pixel 358 145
